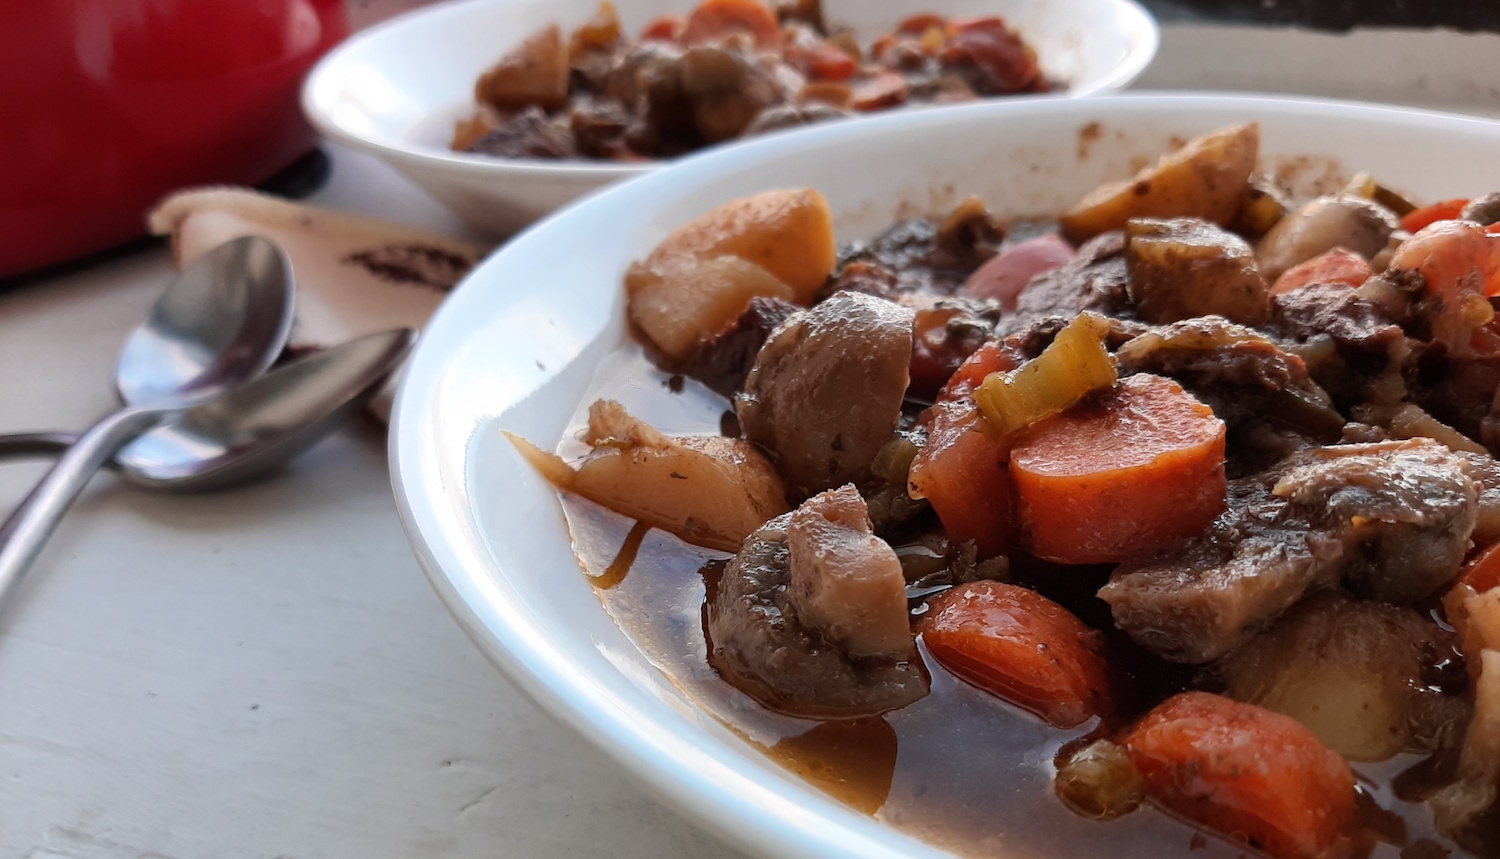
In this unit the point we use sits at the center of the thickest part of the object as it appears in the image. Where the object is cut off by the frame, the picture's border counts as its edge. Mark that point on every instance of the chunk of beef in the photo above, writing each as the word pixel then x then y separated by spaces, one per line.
pixel 1392 518
pixel 1483 210
pixel 1096 280
pixel 763 623
pixel 724 362
pixel 726 88
pixel 1186 267
pixel 1458 390
pixel 1264 395
pixel 528 134
pixel 919 256
pixel 599 128
pixel 826 389
pixel 1348 341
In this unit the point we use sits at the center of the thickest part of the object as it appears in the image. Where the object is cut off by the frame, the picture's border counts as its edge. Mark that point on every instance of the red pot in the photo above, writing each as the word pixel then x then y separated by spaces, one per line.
pixel 107 105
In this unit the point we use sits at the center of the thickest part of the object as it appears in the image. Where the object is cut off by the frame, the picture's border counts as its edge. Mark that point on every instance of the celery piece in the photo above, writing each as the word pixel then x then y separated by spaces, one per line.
pixel 1075 364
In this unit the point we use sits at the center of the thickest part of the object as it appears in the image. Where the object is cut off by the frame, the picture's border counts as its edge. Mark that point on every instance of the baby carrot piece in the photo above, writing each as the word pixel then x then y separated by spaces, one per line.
pixel 1021 646
pixel 1447 210
pixel 1336 266
pixel 716 19
pixel 1123 475
pixel 1247 772
pixel 880 91
pixel 961 472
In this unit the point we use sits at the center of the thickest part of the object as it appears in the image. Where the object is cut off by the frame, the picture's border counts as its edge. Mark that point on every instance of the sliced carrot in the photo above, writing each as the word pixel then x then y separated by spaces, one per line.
pixel 1123 475
pixel 1482 571
pixel 1480 574
pixel 962 474
pixel 1339 265
pixel 666 28
pixel 1008 272
pixel 992 357
pixel 916 25
pixel 821 61
pixel 1023 647
pixel 1247 772
pixel 1004 63
pixel 880 91
pixel 716 19
pixel 1419 219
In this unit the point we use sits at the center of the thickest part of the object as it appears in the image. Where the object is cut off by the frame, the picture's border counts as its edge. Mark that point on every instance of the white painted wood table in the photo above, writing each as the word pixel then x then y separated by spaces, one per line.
pixel 262 674
pixel 267 675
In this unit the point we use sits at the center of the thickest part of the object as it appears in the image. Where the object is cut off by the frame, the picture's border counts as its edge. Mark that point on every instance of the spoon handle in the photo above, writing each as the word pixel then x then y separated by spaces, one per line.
pixel 26 531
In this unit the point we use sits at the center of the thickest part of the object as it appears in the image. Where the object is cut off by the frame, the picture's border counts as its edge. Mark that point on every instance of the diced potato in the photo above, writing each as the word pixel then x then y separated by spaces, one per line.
pixel 1348 670
pixel 535 73
pixel 1075 364
pixel 709 491
pixel 1204 179
pixel 788 233
pixel 1457 806
pixel 1184 267
pixel 681 301
pixel 1260 208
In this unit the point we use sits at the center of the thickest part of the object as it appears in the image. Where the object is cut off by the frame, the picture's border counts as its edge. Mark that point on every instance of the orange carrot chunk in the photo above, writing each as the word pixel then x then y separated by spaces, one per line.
pixel 717 19
pixel 1447 210
pixel 821 61
pixel 1339 265
pixel 666 28
pixel 1252 774
pixel 916 25
pixel 1482 571
pixel 1121 475
pixel 962 474
pixel 1023 647
pixel 880 91
pixel 992 357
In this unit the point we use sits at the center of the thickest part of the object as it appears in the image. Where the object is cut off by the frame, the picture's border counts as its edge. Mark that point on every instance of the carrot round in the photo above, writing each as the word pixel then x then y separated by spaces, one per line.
pixel 1023 647
pixel 1247 772
pixel 665 28
pixel 880 91
pixel 1447 210
pixel 1120 476
pixel 962 474
pixel 992 357
pixel 821 61
pixel 715 19
pixel 1336 266
pixel 916 25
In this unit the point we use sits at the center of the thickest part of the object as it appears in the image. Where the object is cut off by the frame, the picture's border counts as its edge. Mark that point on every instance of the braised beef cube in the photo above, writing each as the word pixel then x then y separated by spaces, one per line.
pixel 723 362
pixel 1392 519
pixel 528 134
pixel 1349 343
pixel 1096 280
pixel 1185 267
pixel 599 129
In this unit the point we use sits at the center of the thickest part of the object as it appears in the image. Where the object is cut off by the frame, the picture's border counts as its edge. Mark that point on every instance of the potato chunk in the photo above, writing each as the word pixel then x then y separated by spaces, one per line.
pixel 685 301
pixel 709 491
pixel 787 233
pixel 1204 179
pixel 846 581
pixel 535 73
pixel 1184 267
pixel 778 244
pixel 1352 672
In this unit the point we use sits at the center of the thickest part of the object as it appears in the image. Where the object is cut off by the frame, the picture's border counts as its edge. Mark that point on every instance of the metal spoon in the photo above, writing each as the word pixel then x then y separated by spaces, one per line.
pixel 220 323
pixel 253 430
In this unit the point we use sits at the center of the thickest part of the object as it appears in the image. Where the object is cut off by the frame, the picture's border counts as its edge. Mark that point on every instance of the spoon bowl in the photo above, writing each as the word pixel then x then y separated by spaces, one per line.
pixel 253 430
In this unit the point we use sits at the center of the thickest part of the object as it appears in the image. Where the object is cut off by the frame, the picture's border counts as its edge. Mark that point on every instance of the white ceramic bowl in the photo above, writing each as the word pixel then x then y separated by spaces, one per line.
pixel 395 90
pixel 515 346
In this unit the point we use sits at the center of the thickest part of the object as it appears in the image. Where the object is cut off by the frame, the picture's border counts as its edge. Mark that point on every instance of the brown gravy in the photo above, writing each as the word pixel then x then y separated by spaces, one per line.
pixel 960 769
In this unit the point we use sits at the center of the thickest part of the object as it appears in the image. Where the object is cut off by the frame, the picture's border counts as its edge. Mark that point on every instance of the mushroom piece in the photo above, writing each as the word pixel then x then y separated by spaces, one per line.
pixel 810 617
pixel 1345 221
pixel 826 389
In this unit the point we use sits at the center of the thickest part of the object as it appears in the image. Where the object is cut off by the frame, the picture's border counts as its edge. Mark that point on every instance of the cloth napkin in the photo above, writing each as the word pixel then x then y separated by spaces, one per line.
pixel 355 275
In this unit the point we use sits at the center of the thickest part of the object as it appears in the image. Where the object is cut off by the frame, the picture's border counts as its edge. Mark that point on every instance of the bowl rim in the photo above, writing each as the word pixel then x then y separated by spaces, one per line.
pixel 590 172
pixel 511 637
